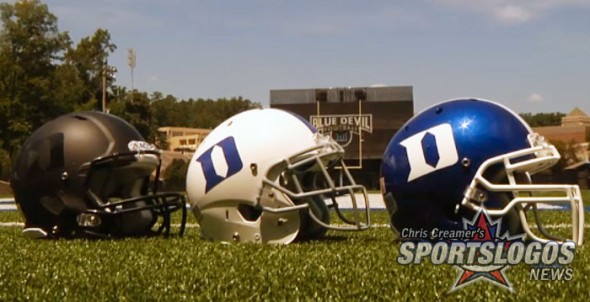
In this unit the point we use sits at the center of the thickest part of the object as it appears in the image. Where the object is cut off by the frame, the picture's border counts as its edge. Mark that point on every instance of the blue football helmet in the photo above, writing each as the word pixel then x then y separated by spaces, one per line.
pixel 463 155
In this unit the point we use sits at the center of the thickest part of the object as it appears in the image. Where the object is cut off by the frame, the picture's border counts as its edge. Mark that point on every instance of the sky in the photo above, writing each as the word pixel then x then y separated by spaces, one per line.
pixel 530 55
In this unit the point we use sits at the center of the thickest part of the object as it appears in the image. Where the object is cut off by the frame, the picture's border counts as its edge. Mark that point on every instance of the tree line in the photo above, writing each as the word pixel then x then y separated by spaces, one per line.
pixel 44 74
pixel 543 119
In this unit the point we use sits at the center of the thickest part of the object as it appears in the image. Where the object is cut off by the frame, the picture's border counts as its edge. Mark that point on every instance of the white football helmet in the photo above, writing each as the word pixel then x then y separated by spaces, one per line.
pixel 263 176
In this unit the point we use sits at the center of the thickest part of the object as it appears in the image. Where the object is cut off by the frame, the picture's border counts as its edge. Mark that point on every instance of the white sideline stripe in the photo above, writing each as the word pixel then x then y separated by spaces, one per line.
pixel 7 204
pixel 548 226
pixel 374 225
pixel 11 224
pixel 188 225
pixel 375 202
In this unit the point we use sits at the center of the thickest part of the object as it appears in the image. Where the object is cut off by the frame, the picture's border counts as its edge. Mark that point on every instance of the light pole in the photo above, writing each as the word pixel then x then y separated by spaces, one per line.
pixel 132 63
pixel 107 71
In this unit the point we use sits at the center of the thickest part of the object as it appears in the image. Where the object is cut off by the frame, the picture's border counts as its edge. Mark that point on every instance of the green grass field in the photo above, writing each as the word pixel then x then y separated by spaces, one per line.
pixel 342 267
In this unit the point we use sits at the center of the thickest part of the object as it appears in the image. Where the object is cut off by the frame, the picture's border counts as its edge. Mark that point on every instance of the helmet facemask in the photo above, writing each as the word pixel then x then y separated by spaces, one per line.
pixel 304 181
pixel 518 166
pixel 118 189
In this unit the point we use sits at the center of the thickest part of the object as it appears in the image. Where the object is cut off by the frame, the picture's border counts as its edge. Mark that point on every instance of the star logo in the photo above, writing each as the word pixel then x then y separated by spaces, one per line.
pixel 494 273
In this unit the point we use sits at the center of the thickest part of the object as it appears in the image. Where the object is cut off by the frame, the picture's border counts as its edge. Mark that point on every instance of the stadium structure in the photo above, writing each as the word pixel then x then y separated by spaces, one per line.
pixel 361 119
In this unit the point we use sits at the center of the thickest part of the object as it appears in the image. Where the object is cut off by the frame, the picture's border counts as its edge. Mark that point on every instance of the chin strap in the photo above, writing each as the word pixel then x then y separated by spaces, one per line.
pixel 35 233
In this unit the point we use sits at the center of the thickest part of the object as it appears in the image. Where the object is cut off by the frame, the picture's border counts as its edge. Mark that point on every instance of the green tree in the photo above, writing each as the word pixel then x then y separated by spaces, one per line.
pixel 175 175
pixel 90 59
pixel 30 46
pixel 4 164
pixel 167 110
pixel 42 76
pixel 543 119
pixel 210 113
pixel 137 111
pixel 148 113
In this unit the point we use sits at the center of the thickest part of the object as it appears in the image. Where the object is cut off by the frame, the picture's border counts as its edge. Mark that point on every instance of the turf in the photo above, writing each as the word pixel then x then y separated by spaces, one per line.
pixel 343 267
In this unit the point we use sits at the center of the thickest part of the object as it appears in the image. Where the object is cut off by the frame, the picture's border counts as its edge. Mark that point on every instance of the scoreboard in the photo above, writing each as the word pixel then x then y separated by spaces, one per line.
pixel 361 119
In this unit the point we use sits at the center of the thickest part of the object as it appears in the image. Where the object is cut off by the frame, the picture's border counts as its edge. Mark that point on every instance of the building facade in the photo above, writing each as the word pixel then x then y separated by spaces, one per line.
pixel 574 132
pixel 575 127
pixel 362 119
pixel 182 139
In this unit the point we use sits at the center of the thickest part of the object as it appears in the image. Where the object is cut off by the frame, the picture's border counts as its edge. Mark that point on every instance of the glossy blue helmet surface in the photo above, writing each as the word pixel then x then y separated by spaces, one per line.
pixel 433 158
pixel 466 155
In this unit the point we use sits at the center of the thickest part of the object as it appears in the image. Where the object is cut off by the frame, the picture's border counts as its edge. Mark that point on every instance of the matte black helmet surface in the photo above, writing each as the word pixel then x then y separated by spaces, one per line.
pixel 88 175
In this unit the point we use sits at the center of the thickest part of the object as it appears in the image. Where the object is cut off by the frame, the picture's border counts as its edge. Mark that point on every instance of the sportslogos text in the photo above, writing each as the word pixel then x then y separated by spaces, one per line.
pixel 487 253
pixel 479 252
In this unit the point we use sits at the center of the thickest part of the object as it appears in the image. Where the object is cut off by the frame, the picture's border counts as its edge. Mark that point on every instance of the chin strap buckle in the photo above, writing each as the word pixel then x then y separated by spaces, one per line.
pixel 472 195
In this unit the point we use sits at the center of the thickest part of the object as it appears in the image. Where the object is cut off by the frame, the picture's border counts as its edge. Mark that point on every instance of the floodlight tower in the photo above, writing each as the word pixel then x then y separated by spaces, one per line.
pixel 132 63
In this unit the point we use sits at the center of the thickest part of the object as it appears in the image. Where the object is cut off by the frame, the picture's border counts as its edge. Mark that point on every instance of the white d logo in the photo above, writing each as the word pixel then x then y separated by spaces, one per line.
pixel 441 145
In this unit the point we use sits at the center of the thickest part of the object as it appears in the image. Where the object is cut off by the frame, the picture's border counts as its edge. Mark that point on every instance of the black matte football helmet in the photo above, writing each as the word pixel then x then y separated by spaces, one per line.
pixel 89 174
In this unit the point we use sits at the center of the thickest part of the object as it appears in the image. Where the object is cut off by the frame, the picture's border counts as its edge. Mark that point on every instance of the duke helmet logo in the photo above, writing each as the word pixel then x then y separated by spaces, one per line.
pixel 217 169
pixel 430 150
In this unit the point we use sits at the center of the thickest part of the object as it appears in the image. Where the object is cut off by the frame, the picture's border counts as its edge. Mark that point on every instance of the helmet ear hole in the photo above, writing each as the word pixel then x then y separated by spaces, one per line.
pixel 249 212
